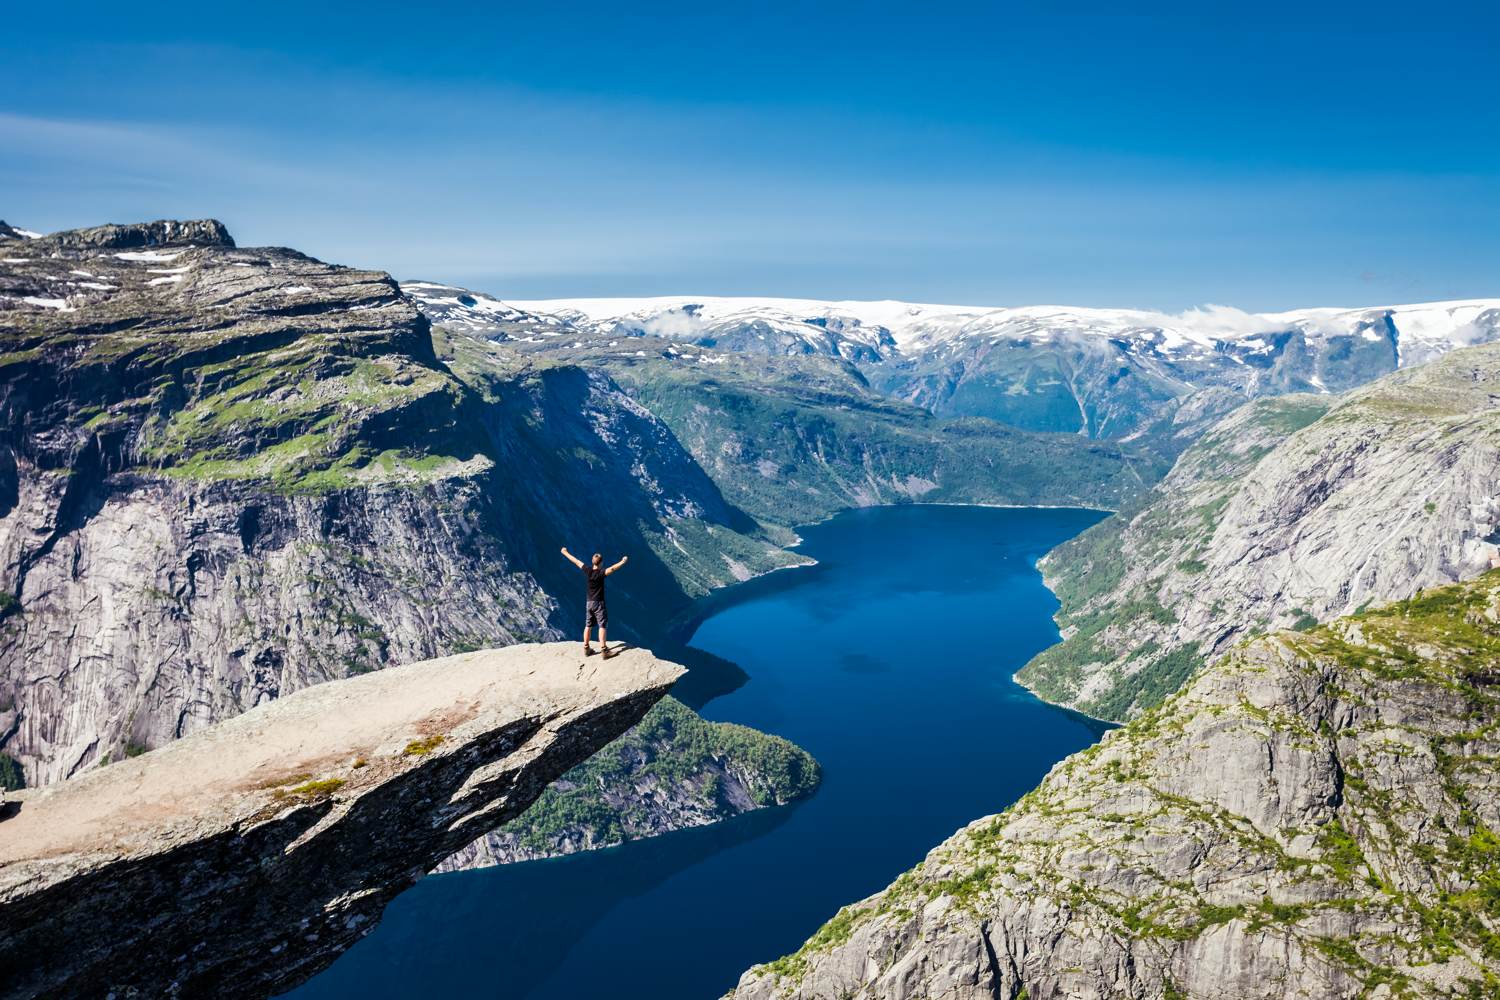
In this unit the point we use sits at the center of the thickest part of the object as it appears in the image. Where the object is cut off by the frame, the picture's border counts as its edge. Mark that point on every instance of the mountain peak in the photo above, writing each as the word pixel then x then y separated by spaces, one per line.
pixel 9 232
pixel 134 235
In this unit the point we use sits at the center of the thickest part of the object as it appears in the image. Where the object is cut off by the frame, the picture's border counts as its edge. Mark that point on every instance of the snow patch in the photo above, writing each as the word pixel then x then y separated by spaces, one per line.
pixel 59 304
pixel 149 256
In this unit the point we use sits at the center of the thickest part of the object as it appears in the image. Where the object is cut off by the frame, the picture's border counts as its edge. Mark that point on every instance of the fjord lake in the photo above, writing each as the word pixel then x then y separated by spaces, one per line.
pixel 890 660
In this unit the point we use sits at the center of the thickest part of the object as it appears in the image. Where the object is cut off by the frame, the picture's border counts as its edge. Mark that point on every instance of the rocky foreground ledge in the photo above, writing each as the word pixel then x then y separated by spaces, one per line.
pixel 243 859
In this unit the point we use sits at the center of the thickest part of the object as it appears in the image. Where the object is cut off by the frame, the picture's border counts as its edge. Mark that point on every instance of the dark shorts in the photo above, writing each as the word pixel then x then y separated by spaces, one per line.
pixel 596 614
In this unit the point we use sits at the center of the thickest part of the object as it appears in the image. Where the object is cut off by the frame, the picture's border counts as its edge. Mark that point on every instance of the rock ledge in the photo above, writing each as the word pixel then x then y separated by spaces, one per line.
pixel 242 859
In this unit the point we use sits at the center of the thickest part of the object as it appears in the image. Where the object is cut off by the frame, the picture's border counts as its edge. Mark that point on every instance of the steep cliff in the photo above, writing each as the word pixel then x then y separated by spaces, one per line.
pixel 240 860
pixel 228 473
pixel 1314 816
pixel 1289 512
pixel 673 771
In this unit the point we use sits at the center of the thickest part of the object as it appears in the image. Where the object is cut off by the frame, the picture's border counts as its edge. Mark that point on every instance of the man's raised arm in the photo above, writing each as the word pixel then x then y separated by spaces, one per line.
pixel 571 557
pixel 622 562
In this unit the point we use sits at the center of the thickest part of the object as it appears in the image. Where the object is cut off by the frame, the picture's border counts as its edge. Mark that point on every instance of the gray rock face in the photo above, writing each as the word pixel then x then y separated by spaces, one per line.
pixel 239 861
pixel 1281 516
pixel 172 608
pixel 1314 816
pixel 228 473
pixel 138 235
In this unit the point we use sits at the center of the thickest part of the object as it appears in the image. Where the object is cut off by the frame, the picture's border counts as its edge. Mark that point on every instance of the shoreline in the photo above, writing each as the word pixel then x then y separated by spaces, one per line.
pixel 1109 511
pixel 1015 677
pixel 681 628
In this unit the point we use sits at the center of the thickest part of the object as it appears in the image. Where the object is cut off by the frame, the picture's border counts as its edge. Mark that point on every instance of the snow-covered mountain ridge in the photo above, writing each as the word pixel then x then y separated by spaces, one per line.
pixel 1123 374
pixel 913 328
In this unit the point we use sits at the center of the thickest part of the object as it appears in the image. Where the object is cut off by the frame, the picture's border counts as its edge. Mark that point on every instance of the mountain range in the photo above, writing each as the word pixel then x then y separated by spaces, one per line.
pixel 1105 373
pixel 229 473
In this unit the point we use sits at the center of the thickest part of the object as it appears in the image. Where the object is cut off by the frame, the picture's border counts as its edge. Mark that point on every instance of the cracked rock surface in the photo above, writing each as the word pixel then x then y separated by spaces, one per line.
pixel 242 859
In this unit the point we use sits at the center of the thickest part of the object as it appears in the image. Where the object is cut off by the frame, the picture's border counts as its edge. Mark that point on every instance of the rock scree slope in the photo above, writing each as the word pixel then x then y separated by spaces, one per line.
pixel 1316 815
pixel 240 860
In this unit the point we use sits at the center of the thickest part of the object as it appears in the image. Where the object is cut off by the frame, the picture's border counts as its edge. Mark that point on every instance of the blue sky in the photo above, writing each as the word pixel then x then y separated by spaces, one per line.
pixel 1265 157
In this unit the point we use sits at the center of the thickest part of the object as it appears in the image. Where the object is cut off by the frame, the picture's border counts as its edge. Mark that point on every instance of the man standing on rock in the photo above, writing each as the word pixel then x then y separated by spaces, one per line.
pixel 596 612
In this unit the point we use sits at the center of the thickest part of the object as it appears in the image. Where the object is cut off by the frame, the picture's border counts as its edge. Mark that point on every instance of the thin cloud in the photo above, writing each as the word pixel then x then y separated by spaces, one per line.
pixel 155 153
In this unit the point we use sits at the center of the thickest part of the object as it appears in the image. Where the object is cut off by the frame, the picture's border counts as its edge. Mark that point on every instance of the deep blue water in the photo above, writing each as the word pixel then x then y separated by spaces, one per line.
pixel 891 662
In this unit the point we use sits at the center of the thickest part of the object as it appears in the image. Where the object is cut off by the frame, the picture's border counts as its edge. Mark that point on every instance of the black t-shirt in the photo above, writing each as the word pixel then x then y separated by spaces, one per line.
pixel 596 583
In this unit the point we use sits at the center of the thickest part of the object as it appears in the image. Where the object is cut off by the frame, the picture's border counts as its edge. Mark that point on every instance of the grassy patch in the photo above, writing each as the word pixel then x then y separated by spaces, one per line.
pixel 422 747
pixel 311 790
pixel 1302 621
pixel 835 932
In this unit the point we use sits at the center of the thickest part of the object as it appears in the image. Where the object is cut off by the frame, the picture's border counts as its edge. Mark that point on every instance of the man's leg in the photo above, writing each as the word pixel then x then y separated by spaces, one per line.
pixel 593 616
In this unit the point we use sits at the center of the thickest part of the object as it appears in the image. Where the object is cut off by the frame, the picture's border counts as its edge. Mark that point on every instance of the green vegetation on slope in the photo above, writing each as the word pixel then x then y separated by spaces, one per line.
pixel 12 778
pixel 684 756
pixel 1119 655
pixel 310 418
pixel 795 440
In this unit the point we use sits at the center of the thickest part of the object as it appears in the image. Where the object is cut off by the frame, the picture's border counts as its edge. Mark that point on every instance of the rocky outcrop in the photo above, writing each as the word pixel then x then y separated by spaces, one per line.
pixel 1314 816
pixel 138 236
pixel 673 771
pixel 240 860
pixel 227 474
pixel 1291 511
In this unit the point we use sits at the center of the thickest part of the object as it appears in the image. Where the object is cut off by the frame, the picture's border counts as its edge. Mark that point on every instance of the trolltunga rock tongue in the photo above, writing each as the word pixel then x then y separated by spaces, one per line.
pixel 242 859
